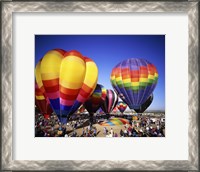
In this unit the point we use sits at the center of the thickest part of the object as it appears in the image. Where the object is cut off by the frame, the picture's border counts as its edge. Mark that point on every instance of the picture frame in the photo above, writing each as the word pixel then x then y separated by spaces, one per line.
pixel 10 7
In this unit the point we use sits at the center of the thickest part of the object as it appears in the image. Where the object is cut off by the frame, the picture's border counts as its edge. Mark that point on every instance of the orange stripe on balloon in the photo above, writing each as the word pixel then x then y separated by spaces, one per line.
pixel 143 75
pixel 86 88
pixel 143 68
pixel 135 79
pixel 135 73
pixel 68 96
pixel 42 89
pixel 52 89
pixel 60 51
pixel 84 94
pixel 74 53
pixel 125 76
pixel 50 83
pixel 69 91
pixel 88 59
pixel 37 93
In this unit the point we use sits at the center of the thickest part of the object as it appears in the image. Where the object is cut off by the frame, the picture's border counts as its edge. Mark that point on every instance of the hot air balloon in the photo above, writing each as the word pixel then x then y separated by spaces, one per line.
pixel 42 103
pixel 67 79
pixel 95 100
pixel 121 106
pixel 134 80
pixel 110 101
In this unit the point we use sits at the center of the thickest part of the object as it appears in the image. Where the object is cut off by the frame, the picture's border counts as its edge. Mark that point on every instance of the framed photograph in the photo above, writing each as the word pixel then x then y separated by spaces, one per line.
pixel 100 85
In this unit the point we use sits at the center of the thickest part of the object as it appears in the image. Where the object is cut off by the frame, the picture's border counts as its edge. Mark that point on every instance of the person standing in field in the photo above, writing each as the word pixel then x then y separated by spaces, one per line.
pixel 111 132
pixel 105 131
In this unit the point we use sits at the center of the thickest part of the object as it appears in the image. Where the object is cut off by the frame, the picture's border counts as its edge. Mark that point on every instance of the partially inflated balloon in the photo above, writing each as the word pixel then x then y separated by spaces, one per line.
pixel 96 99
pixel 121 106
pixel 68 79
pixel 134 80
pixel 42 102
pixel 110 101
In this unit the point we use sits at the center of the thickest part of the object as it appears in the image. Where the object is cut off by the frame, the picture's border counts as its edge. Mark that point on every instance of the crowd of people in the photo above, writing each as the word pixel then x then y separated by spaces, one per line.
pixel 142 127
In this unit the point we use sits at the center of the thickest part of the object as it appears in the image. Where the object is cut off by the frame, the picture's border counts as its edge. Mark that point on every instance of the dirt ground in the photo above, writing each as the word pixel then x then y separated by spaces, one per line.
pixel 100 129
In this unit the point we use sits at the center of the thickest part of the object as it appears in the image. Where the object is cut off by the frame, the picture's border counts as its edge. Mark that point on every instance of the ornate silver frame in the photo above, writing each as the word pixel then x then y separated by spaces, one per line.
pixel 8 7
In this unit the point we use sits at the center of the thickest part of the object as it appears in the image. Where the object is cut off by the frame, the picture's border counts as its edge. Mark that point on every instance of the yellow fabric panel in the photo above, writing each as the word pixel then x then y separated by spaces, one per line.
pixel 38 75
pixel 127 80
pixel 115 122
pixel 150 76
pixel 71 85
pixel 49 76
pixel 155 74
pixel 40 97
pixel 50 64
pixel 112 77
pixel 118 79
pixel 72 72
pixel 91 75
pixel 143 79
pixel 135 83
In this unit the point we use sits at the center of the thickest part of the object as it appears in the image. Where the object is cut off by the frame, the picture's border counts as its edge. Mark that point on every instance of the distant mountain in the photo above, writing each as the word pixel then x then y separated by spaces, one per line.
pixel 147 111
pixel 155 111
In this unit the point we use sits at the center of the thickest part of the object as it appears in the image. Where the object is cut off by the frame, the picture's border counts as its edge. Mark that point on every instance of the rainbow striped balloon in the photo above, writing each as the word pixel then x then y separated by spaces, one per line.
pixel 96 99
pixel 110 101
pixel 67 79
pixel 121 106
pixel 134 80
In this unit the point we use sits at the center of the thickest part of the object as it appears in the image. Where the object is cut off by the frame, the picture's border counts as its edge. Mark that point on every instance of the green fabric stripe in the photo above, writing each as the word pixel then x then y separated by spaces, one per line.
pixel 127 84
pixel 150 80
pixel 143 84
pixel 135 87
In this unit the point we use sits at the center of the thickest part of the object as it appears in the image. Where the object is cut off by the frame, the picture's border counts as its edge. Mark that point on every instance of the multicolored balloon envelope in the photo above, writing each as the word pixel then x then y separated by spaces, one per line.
pixel 134 80
pixel 67 79
pixel 121 106
pixel 115 121
pixel 42 102
pixel 96 99
pixel 110 101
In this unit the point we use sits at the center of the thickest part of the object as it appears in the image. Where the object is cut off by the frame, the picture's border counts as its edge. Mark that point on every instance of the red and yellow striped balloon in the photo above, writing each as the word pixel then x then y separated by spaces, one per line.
pixel 42 102
pixel 67 78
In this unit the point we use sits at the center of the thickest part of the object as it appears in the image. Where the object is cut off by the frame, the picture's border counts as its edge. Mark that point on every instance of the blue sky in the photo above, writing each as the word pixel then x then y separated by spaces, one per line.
pixel 108 50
